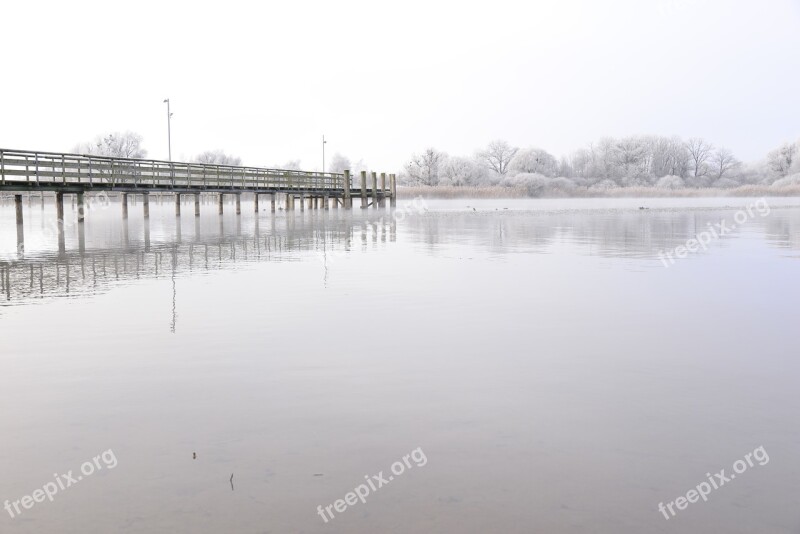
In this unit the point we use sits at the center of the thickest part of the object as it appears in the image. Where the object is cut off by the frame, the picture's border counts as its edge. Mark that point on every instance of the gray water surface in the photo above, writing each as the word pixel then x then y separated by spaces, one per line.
pixel 557 375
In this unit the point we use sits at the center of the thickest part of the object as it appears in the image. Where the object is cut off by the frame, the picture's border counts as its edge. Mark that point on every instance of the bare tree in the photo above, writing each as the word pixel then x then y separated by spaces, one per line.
pixel 117 145
pixel 424 168
pixel 699 153
pixel 497 156
pixel 217 157
pixel 722 162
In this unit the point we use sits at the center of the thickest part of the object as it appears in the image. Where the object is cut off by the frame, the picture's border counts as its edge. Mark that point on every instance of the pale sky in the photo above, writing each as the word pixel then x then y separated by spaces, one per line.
pixel 265 80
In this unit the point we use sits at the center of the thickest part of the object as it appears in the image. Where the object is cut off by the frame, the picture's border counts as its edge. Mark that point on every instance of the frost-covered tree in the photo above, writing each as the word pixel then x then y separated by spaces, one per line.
pixel 723 162
pixel 116 144
pixel 339 163
pixel 534 160
pixel 699 153
pixel 423 169
pixel 217 157
pixel 497 156
pixel 782 160
pixel 460 171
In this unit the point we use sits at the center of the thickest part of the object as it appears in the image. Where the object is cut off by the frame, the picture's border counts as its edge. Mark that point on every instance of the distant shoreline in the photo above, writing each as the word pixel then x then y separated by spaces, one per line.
pixel 585 192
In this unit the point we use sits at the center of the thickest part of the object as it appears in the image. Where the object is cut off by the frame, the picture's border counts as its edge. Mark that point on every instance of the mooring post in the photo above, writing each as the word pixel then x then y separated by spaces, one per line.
pixel 393 186
pixel 238 203
pixel 124 205
pixel 146 205
pixel 374 190
pixel 272 202
pixel 288 202
pixel 303 203
pixel 221 203
pixel 60 207
pixel 81 213
pixel 383 189
pixel 255 202
pixel 326 202
pixel 177 204
pixel 348 201
pixel 197 204
pixel 18 206
pixel 363 190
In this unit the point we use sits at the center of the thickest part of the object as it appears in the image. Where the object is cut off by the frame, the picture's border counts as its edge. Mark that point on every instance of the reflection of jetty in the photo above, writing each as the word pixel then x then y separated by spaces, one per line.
pixel 92 270
pixel 82 175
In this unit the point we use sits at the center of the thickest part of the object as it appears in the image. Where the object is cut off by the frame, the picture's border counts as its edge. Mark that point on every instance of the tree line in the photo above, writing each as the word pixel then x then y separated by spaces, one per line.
pixel 635 161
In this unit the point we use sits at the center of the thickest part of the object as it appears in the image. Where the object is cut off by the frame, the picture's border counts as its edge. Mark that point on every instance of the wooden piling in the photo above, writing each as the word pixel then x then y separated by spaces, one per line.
pixel 255 202
pixel 221 203
pixel 146 205
pixel 374 190
pixel 60 207
pixel 348 201
pixel 383 189
pixel 393 186
pixel 363 190
pixel 272 202
pixel 197 205
pixel 177 204
pixel 18 207
pixel 124 205
pixel 238 203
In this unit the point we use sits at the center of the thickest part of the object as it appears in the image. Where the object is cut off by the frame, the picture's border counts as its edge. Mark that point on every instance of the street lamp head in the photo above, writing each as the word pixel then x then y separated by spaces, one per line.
pixel 166 100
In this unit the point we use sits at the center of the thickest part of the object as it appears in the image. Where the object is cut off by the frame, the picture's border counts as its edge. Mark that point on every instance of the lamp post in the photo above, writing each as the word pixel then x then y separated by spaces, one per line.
pixel 169 129
pixel 323 153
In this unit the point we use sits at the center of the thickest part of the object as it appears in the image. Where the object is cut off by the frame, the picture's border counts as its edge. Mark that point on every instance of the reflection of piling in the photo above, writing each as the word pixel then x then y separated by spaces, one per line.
pixel 81 208
pixel 197 205
pixel 272 202
pixel 81 235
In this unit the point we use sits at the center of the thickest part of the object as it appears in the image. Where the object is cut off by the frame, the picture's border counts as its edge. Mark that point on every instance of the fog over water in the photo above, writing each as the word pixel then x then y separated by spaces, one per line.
pixel 559 375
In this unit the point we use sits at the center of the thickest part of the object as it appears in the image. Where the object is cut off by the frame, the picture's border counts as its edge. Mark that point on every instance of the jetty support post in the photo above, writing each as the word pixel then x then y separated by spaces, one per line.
pixel 374 190
pixel 238 203
pixel 221 203
pixel 177 204
pixel 272 202
pixel 348 201
pixel 393 186
pixel 197 204
pixel 124 205
pixel 146 204
pixel 255 202
pixel 60 206
pixel 363 190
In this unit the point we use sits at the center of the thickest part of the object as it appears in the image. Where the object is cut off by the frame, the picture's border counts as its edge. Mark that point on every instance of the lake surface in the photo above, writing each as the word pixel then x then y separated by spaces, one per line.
pixel 555 369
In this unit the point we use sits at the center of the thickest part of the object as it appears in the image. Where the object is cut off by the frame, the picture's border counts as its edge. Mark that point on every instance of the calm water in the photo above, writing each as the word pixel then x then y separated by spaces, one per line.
pixel 557 376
